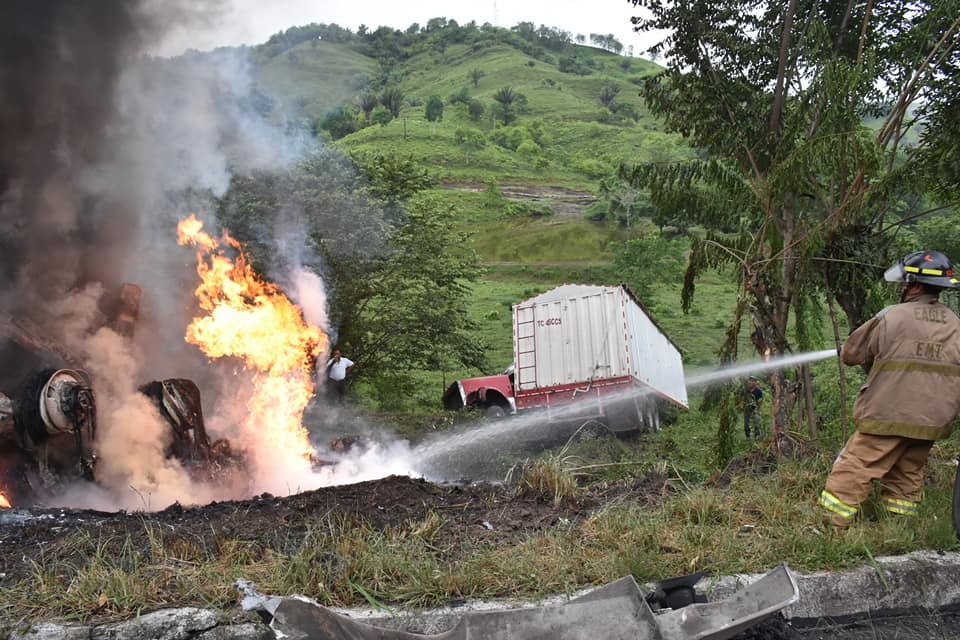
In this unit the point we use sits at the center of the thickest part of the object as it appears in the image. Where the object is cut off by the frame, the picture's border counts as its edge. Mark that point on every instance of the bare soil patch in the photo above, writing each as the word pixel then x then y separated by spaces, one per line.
pixel 472 513
pixel 562 201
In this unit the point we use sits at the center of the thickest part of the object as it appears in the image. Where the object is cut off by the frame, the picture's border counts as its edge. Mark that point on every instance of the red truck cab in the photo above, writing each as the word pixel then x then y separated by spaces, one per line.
pixel 491 394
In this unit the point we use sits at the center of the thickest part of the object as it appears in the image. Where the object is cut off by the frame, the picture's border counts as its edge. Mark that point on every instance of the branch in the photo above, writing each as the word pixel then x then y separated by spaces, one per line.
pixel 908 95
pixel 779 95
pixel 914 216
pixel 863 32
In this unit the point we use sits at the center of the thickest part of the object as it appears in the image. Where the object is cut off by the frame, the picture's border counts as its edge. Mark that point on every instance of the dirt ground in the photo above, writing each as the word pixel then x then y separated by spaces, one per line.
pixel 473 512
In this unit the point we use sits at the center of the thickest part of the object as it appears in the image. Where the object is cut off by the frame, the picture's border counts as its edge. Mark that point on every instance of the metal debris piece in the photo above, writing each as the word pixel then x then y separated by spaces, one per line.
pixel 617 611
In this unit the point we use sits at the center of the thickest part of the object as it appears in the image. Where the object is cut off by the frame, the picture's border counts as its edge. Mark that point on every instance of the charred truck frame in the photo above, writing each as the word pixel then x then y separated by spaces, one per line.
pixel 48 414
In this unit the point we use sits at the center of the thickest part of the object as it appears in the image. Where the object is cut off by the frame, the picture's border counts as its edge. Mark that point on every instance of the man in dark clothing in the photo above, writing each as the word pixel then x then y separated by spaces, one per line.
pixel 752 399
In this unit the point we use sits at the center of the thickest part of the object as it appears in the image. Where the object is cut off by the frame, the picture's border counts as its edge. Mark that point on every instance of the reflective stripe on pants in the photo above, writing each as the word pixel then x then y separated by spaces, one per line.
pixel 832 503
pixel 900 507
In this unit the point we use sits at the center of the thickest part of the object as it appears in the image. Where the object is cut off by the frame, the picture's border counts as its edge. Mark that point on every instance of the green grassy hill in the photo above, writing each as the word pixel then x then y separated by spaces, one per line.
pixel 525 191
pixel 314 77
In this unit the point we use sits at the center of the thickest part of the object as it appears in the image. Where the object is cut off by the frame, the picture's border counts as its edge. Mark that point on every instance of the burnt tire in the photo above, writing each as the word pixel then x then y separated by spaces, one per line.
pixel 494 412
pixel 26 407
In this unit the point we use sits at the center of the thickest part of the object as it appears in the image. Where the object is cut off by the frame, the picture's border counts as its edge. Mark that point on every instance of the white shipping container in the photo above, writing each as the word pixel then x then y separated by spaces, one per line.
pixel 578 334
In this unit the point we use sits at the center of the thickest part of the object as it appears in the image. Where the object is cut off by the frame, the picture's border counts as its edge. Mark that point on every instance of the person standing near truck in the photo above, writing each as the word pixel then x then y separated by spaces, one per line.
pixel 337 370
pixel 911 396
pixel 752 401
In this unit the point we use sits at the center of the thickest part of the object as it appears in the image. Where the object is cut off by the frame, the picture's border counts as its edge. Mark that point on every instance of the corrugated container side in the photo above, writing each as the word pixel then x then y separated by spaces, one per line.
pixel 656 362
pixel 568 340
pixel 591 333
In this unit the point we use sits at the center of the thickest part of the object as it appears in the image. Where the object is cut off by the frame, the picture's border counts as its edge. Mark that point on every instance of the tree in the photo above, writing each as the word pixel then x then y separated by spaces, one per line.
pixel 608 93
pixel 381 116
pixel 434 109
pixel 413 313
pixel 776 94
pixel 475 75
pixel 625 202
pixel 393 178
pixel 392 99
pixel 340 122
pixel 506 98
pixel 475 109
pixel 367 103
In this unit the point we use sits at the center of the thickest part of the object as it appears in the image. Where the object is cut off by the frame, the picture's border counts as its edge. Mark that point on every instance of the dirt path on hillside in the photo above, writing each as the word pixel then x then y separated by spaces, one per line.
pixel 563 202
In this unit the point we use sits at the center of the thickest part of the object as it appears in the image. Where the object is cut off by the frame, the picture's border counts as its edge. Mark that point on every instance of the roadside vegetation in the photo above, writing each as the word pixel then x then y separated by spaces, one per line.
pixel 758 520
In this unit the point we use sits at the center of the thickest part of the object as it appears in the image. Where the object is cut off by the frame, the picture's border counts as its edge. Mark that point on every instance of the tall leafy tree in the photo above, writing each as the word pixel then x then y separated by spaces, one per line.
pixel 392 99
pixel 434 109
pixel 367 103
pixel 506 99
pixel 413 312
pixel 475 75
pixel 802 110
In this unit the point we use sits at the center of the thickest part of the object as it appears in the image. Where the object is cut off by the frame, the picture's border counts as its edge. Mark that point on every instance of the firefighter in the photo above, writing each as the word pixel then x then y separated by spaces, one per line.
pixel 911 395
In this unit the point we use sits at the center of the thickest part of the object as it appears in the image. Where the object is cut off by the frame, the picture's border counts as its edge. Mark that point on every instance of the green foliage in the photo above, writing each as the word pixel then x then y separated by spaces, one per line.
pixel 575 64
pixel 414 315
pixel 460 97
pixel 397 286
pixel 509 103
pixel 475 76
pixel 434 110
pixel 608 93
pixel 391 98
pixel 392 177
pixel 470 138
pixel 367 103
pixel 625 204
pixel 939 232
pixel 340 122
pixel 381 116
pixel 475 109
pixel 794 174
pixel 647 262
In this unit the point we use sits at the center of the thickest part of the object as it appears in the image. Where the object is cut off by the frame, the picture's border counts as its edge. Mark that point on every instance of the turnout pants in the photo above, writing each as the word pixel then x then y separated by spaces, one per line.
pixel 895 461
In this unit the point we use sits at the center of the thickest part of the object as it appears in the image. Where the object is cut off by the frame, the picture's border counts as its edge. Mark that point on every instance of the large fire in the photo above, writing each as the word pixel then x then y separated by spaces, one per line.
pixel 247 318
pixel 4 503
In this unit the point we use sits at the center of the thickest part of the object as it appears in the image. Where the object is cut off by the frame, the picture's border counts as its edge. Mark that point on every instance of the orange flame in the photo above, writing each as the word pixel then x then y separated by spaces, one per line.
pixel 253 320
pixel 4 503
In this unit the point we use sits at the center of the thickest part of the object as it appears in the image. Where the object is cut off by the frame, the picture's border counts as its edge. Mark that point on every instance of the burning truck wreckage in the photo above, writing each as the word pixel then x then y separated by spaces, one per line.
pixel 48 400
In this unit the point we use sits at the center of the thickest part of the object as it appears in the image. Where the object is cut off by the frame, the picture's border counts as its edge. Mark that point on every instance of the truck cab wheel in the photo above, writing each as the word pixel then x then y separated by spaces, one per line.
pixel 494 412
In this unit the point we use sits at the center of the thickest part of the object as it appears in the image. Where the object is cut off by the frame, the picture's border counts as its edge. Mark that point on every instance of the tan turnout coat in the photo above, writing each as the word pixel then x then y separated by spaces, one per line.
pixel 913 389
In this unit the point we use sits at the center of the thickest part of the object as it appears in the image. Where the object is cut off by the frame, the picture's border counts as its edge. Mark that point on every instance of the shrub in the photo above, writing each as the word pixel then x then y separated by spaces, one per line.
pixel 470 138
pixel 381 116
pixel 460 97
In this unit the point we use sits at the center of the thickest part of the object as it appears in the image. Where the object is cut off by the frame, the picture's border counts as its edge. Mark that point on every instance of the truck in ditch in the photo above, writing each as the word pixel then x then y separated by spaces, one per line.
pixel 580 352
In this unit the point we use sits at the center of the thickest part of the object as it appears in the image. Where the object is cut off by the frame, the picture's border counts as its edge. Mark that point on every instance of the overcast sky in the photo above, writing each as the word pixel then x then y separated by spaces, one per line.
pixel 253 21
